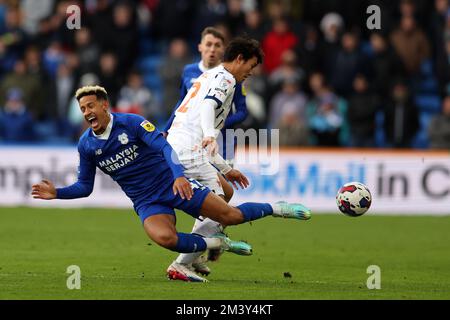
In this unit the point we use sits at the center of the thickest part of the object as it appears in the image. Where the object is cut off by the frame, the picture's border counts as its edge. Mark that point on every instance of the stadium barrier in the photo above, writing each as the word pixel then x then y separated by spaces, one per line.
pixel 401 182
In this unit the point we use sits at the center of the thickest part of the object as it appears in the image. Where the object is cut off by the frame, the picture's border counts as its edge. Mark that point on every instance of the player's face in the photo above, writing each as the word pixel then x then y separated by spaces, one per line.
pixel 95 112
pixel 244 68
pixel 211 50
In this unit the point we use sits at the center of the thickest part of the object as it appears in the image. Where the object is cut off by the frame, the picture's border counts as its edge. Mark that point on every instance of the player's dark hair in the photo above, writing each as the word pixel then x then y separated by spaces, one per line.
pixel 245 46
pixel 213 31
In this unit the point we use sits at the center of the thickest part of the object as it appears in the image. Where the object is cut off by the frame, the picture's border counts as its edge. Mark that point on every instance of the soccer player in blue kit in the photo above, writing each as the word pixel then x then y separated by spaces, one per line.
pixel 135 154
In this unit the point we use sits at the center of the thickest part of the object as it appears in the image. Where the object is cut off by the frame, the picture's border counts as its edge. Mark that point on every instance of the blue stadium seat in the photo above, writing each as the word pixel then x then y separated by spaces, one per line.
pixel 366 48
pixel 149 63
pixel 421 141
pixel 426 68
pixel 428 103
pixel 380 139
pixel 429 86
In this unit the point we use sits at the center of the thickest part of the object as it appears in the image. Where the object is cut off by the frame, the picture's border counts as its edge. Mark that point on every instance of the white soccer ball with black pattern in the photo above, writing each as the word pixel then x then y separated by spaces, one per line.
pixel 354 199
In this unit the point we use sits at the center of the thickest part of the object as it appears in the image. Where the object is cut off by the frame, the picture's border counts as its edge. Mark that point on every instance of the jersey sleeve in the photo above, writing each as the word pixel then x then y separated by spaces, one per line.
pixel 241 107
pixel 220 88
pixel 86 176
pixel 153 138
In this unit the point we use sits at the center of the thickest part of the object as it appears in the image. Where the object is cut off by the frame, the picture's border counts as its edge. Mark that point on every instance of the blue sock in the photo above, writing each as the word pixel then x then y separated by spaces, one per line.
pixel 253 211
pixel 188 242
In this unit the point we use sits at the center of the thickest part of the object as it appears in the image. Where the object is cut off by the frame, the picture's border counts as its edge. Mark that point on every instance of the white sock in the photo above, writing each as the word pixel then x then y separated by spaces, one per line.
pixel 205 228
pixel 276 209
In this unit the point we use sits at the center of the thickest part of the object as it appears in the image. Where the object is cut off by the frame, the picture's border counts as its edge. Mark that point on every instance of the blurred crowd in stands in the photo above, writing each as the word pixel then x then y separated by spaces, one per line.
pixel 327 80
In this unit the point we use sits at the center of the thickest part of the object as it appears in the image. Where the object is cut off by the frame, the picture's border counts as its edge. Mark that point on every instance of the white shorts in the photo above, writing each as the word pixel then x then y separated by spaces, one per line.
pixel 204 173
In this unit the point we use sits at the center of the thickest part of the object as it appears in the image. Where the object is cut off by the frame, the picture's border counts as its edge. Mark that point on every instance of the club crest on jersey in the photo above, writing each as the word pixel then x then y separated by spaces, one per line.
pixel 98 152
pixel 123 138
pixel 148 126
pixel 224 84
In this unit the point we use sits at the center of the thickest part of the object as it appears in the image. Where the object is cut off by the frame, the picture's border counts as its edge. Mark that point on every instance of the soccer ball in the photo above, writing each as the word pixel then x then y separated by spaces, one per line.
pixel 353 199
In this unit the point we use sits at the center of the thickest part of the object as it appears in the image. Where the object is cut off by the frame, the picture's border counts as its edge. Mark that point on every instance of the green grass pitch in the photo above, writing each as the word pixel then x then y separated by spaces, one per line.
pixel 324 258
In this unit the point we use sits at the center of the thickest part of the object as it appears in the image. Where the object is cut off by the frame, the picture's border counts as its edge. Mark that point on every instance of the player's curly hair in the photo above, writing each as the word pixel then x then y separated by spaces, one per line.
pixel 98 91
pixel 245 46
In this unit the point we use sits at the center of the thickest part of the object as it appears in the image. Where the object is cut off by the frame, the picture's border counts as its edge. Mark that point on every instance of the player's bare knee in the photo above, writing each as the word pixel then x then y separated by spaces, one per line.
pixel 231 217
pixel 168 241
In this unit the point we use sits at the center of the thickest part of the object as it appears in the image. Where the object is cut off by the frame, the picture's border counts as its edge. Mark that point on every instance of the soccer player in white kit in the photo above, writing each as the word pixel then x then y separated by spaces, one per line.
pixel 197 123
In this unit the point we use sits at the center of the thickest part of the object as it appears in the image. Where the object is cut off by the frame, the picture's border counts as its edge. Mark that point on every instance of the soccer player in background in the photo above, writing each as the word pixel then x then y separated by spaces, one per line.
pixel 134 153
pixel 211 48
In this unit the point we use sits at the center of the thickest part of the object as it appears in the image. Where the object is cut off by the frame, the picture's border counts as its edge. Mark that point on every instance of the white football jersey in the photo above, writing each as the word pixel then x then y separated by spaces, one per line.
pixel 186 134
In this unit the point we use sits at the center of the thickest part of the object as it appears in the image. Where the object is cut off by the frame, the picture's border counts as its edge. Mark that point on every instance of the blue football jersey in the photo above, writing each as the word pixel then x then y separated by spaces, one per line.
pixel 134 155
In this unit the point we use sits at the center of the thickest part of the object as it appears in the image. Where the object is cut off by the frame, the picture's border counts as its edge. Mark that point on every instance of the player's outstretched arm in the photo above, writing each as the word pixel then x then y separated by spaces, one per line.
pixel 44 190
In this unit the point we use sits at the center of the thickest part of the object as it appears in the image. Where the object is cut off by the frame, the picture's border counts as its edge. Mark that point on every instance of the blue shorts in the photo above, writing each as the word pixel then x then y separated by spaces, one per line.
pixel 167 203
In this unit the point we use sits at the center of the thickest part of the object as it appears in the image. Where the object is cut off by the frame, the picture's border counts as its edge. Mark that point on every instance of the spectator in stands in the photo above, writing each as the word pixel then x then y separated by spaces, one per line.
pixel 52 56
pixel 308 51
pixel 225 30
pixel 400 116
pixel 276 42
pixel 443 63
pixel 254 26
pixel 325 121
pixel 362 107
pixel 34 11
pixel 439 128
pixel 87 50
pixel 326 114
pixel 385 64
pixel 437 28
pixel 99 19
pixel 12 39
pixel 32 89
pixel 109 76
pixel 62 89
pixel 63 34
pixel 411 44
pixel 33 62
pixel 257 96
pixel 173 19
pixel 122 38
pixel 61 92
pixel 349 61
pixel 293 128
pixel 135 98
pixel 257 115
pixel 289 96
pixel 208 13
pixel 288 70
pixel 331 26
pixel 16 123
pixel 235 17
pixel 170 69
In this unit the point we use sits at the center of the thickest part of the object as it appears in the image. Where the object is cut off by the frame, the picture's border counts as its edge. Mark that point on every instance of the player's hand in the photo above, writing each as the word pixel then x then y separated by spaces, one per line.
pixel 235 176
pixel 211 144
pixel 44 190
pixel 182 187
